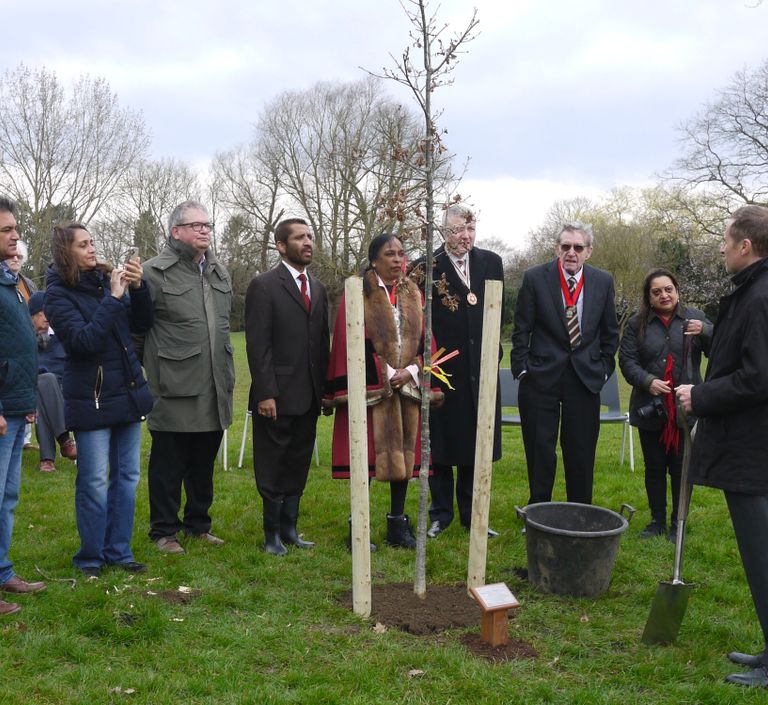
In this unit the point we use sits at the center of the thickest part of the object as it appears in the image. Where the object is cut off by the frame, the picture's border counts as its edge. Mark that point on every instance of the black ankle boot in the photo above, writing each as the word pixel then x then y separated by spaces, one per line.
pixel 399 533
pixel 374 547
pixel 289 515
pixel 655 528
pixel 272 542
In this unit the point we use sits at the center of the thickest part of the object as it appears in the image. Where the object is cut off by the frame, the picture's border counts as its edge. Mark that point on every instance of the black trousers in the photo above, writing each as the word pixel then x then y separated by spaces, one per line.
pixel 749 514
pixel 441 492
pixel 657 463
pixel 282 451
pixel 567 404
pixel 178 459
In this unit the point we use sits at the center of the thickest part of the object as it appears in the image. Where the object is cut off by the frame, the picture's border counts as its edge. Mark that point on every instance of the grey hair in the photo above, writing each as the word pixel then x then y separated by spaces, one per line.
pixel 7 205
pixel 22 249
pixel 177 214
pixel 458 210
pixel 576 226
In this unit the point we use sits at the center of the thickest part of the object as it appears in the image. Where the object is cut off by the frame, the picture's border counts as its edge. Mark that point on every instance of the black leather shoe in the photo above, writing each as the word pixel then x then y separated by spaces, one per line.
pixel 91 572
pixel 435 529
pixel 751 660
pixel 131 567
pixel 655 528
pixel 757 678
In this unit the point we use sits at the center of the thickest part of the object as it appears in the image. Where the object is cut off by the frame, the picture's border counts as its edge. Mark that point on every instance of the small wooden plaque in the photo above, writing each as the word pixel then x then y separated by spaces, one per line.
pixel 495 601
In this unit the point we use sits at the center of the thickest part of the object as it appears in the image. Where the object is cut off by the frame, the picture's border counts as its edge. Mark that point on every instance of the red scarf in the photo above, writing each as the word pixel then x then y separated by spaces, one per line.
pixel 670 434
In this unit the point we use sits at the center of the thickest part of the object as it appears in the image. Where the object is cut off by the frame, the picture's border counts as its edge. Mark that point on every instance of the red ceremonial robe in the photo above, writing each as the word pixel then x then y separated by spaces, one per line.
pixel 394 416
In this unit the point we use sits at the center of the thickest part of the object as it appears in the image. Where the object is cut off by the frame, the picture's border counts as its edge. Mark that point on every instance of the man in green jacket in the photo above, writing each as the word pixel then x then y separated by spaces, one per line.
pixel 190 370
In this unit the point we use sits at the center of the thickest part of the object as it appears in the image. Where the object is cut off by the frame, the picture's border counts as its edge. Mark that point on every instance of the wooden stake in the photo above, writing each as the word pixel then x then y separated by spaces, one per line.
pixel 486 415
pixel 358 449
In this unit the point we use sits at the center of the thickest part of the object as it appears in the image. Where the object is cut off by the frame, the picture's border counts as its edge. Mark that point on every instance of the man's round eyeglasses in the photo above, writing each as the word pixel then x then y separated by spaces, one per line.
pixel 197 227
pixel 577 248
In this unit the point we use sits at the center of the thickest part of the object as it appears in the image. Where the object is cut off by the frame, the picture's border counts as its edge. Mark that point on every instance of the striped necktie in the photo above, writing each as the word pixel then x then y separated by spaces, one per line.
pixel 574 332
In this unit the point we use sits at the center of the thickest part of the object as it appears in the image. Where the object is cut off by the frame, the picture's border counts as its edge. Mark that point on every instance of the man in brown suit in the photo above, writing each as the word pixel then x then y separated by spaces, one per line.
pixel 287 339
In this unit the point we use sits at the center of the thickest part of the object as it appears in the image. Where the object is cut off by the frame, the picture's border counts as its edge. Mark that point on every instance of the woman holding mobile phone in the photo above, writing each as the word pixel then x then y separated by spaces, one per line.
pixel 94 308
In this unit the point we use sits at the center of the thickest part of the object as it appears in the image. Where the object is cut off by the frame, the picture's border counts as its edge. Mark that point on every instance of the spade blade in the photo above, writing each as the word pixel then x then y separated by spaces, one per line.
pixel 667 612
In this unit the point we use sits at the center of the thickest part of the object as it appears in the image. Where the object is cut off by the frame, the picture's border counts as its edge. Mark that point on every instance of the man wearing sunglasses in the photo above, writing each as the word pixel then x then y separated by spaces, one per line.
pixel 191 372
pixel 563 347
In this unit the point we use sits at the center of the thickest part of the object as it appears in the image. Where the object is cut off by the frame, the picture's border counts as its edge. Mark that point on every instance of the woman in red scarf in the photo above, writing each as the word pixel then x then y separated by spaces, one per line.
pixel 661 348
pixel 394 339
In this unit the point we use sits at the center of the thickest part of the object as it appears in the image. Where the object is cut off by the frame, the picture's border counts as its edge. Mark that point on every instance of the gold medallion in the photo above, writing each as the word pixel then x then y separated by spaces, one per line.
pixel 570 311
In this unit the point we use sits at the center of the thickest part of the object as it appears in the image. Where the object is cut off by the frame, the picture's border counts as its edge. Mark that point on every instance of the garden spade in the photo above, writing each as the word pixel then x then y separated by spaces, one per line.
pixel 668 608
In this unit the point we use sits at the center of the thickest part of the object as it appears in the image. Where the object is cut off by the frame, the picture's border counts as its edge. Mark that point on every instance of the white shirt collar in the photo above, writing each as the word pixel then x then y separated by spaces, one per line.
pixel 295 274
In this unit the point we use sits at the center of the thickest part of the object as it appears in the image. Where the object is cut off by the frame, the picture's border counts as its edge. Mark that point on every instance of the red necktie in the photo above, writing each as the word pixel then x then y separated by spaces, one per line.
pixel 307 301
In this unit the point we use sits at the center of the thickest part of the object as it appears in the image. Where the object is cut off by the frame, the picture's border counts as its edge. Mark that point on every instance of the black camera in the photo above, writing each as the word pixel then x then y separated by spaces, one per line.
pixel 653 410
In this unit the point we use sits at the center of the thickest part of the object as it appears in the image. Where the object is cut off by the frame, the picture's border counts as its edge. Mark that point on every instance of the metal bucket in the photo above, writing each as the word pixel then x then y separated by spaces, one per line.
pixel 572 547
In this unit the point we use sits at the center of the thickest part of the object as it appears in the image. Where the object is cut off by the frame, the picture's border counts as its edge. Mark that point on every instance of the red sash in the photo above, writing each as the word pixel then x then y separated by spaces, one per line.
pixel 570 299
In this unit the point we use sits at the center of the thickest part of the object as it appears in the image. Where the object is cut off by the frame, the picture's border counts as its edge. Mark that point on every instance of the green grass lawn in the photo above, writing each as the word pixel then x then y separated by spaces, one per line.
pixel 270 630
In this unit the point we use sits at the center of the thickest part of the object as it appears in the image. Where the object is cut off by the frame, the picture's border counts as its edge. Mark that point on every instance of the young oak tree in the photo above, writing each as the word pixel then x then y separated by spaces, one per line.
pixel 423 67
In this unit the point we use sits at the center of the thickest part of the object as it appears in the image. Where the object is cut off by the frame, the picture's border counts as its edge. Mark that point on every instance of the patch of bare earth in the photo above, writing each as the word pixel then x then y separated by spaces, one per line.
pixel 445 607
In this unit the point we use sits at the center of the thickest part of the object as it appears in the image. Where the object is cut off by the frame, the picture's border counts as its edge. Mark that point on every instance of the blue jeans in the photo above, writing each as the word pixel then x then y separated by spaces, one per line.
pixel 105 493
pixel 11 445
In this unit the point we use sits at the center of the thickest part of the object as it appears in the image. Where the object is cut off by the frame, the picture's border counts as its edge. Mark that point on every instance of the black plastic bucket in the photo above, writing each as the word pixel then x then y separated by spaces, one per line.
pixel 572 547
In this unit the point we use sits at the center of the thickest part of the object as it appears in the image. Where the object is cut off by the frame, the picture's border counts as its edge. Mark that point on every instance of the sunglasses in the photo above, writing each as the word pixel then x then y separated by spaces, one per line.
pixel 576 248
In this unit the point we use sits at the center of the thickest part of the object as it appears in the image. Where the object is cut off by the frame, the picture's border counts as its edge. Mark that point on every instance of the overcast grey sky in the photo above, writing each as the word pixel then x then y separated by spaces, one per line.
pixel 554 99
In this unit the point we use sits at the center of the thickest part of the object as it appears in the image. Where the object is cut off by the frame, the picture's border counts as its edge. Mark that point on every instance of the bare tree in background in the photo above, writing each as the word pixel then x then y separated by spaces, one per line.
pixel 150 191
pixel 725 147
pixel 341 153
pixel 249 187
pixel 424 66
pixel 63 151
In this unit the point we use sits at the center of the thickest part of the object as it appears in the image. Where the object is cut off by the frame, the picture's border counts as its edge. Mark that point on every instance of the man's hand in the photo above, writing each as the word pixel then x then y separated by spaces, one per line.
pixel 31 418
pixel 267 408
pixel 683 393
pixel 3 425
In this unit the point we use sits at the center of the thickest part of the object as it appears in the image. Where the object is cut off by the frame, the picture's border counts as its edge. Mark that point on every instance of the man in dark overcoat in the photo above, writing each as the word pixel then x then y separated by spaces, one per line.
pixel 730 451
pixel 563 347
pixel 287 339
pixel 459 273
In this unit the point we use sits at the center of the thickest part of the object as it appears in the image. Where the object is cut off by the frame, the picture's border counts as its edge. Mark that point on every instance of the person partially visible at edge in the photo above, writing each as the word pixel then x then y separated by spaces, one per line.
pixel 394 343
pixel 730 451
pixel 564 343
pixel 286 333
pixel 51 425
pixel 94 308
pixel 188 359
pixel 660 349
pixel 26 288
pixel 18 372
pixel 459 273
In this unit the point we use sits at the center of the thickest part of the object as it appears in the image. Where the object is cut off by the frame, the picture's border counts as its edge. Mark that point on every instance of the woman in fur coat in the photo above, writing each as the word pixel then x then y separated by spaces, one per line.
pixel 394 339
